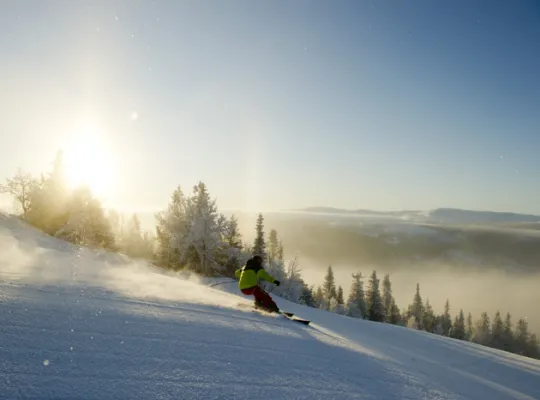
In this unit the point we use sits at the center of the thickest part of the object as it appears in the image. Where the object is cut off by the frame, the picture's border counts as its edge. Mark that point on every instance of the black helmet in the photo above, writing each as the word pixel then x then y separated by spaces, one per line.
pixel 257 260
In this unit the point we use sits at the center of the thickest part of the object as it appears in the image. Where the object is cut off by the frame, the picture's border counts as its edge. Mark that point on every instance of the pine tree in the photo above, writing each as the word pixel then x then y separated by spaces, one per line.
pixel 469 331
pixel 131 241
pixel 337 303
pixel 374 300
pixel 428 321
pixel 458 329
pixel 149 244
pixel 171 230
pixel 482 332
pixel 507 334
pixel 534 347
pixel 446 319
pixel 318 298
pixel 416 311
pixel 115 221
pixel 437 325
pixel 233 237
pixel 391 310
pixel 280 253
pixel 356 302
pixel 259 244
pixel 339 296
pixel 307 297
pixel 273 246
pixel 497 332
pixel 329 286
pixel 522 337
pixel 292 284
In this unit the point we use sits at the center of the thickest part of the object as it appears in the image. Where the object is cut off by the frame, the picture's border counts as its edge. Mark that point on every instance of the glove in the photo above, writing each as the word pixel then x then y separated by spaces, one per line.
pixel 277 283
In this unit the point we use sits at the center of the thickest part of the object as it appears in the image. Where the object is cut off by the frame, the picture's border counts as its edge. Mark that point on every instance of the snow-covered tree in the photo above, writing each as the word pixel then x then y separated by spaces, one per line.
pixel 171 230
pixel 335 307
pixel 87 224
pixel 280 252
pixel 356 303
pixel 293 286
pixel 131 240
pixel 233 241
pixel 273 246
pixel 49 199
pixel 259 244
pixel 277 270
pixel 291 281
pixel 374 301
pixel 233 237
pixel 203 244
pixel 337 304
pixel 116 222
pixel 318 298
pixel 482 331
pixel 248 248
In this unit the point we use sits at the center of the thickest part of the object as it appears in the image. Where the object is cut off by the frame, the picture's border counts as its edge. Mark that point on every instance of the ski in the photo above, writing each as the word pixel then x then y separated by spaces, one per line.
pixel 289 315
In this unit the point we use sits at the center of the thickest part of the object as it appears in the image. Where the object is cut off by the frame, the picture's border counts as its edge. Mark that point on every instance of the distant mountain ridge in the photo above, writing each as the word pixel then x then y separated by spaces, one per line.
pixel 438 215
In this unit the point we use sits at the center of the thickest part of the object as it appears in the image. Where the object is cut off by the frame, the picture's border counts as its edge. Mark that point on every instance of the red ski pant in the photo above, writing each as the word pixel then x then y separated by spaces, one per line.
pixel 260 296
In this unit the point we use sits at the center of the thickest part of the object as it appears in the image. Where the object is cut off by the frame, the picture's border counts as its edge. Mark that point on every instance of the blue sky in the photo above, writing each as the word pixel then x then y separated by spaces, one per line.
pixel 369 104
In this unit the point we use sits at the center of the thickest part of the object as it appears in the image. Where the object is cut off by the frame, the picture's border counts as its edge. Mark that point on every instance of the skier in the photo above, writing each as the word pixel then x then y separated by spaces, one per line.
pixel 248 283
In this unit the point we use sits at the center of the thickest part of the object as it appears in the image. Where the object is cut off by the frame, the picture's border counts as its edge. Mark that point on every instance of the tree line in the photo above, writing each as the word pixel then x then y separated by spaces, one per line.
pixel 191 234
pixel 373 305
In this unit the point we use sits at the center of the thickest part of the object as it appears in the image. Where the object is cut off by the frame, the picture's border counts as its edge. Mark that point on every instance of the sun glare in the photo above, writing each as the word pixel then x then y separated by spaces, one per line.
pixel 88 161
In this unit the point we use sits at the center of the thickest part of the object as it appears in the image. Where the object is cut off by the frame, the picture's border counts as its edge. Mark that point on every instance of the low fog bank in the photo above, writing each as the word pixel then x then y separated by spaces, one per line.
pixel 472 290
pixel 375 240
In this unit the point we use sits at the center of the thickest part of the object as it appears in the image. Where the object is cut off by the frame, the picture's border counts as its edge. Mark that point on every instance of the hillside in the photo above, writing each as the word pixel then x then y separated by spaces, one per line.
pixel 83 324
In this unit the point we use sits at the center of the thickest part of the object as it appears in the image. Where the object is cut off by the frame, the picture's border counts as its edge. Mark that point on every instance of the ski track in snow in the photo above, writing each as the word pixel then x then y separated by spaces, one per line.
pixel 111 332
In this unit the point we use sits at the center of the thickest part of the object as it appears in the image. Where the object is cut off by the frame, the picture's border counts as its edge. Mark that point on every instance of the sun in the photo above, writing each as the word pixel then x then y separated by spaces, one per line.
pixel 88 161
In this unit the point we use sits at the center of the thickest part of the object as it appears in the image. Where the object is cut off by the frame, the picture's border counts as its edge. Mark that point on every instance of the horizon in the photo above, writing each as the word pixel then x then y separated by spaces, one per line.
pixel 278 106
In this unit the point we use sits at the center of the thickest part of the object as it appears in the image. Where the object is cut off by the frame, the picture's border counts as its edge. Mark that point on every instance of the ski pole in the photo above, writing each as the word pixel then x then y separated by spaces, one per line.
pixel 221 283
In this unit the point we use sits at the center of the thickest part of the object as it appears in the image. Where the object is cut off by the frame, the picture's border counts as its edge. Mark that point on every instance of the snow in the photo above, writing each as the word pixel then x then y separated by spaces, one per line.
pixel 78 323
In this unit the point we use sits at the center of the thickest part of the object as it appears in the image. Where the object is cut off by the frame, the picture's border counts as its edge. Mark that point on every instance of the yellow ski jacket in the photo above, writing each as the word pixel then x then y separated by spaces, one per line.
pixel 250 275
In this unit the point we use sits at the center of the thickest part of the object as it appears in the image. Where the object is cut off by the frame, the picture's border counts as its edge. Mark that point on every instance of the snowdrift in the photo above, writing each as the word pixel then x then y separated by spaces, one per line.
pixel 78 323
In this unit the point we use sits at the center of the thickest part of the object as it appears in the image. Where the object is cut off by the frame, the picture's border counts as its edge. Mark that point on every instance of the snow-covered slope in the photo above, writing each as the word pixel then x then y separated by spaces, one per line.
pixel 80 324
